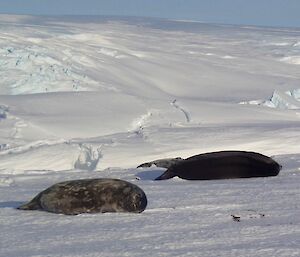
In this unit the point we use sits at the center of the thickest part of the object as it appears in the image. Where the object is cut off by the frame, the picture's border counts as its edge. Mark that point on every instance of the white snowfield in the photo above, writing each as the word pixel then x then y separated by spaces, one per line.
pixel 92 97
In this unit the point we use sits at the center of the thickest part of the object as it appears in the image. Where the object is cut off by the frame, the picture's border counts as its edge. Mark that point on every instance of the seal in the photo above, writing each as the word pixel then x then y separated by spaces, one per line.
pixel 223 165
pixel 161 163
pixel 89 196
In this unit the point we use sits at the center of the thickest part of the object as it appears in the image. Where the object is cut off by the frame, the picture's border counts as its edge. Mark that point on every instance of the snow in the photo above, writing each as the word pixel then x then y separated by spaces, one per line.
pixel 90 97
pixel 291 59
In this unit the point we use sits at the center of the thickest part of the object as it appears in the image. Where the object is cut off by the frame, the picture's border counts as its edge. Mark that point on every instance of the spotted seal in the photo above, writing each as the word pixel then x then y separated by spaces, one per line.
pixel 89 196
pixel 223 165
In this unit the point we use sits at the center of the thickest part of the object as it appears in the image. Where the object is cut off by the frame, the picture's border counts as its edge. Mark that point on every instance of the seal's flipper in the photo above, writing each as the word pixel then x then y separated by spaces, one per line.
pixel 166 175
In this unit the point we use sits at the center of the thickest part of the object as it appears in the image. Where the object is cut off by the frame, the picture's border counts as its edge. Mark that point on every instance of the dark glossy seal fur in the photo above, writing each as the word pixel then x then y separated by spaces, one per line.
pixel 89 196
pixel 161 163
pixel 223 165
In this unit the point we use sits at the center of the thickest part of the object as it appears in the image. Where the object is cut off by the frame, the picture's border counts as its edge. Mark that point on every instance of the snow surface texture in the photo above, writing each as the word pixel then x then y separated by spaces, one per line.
pixel 90 97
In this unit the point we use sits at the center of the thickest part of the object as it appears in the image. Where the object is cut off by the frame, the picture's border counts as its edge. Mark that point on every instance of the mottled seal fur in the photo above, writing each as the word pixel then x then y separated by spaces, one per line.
pixel 89 196
pixel 223 165
pixel 161 163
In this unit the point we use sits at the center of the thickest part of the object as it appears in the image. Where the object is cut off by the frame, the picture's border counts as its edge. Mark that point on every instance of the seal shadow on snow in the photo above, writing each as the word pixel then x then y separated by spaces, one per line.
pixel 10 204
pixel 150 173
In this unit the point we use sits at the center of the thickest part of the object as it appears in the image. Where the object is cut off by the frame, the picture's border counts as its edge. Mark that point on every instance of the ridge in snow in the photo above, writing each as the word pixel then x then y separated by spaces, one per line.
pixel 281 100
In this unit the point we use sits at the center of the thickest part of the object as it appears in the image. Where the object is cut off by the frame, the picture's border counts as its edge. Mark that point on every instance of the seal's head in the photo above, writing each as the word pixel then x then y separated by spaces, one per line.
pixel 134 200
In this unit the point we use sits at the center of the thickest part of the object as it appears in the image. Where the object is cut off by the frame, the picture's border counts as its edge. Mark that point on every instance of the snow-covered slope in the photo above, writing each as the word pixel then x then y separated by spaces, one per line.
pixel 144 57
pixel 84 97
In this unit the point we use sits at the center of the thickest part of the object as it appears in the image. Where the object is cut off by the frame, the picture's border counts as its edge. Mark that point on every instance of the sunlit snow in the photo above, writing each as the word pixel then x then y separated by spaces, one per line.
pixel 91 97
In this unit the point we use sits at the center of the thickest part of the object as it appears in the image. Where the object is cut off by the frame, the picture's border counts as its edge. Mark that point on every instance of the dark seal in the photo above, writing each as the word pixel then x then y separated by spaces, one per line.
pixel 89 196
pixel 161 163
pixel 223 165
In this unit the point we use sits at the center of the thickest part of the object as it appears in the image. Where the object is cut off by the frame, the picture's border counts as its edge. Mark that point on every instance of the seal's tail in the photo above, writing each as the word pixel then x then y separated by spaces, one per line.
pixel 32 205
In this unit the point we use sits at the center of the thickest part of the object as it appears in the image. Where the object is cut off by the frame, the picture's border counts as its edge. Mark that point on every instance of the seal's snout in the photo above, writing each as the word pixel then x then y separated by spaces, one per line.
pixel 138 202
pixel 143 203
pixel 277 167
